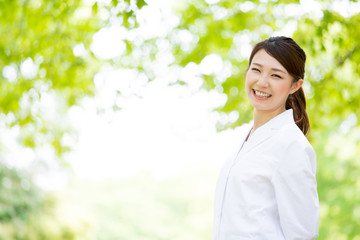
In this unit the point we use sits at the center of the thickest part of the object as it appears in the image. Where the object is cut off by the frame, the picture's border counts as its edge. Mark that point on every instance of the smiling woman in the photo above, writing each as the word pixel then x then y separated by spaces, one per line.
pixel 268 190
pixel 268 85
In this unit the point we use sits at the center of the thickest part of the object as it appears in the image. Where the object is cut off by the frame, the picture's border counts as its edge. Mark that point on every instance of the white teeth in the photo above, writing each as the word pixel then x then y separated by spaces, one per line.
pixel 260 94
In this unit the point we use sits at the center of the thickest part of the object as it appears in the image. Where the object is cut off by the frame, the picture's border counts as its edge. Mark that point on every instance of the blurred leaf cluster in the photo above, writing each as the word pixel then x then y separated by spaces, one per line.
pixel 46 67
pixel 38 63
pixel 27 213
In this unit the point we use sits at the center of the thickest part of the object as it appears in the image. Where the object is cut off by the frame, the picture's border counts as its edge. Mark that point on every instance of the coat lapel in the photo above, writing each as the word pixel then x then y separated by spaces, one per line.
pixel 243 137
pixel 268 130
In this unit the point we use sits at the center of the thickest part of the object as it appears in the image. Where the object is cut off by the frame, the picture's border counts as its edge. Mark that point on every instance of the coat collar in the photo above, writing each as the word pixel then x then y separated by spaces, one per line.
pixel 268 129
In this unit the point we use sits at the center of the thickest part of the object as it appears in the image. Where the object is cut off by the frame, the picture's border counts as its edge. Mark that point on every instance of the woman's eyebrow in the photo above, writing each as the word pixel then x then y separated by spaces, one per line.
pixel 274 69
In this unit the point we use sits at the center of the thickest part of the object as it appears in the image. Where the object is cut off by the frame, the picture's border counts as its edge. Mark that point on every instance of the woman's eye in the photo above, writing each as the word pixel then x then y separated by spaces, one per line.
pixel 255 69
pixel 277 76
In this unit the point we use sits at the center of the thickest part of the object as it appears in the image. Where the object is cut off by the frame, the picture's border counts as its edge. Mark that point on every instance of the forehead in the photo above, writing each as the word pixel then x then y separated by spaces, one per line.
pixel 266 60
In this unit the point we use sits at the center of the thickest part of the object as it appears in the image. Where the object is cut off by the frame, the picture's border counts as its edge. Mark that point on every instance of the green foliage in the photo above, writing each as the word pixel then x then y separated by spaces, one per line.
pixel 42 34
pixel 338 179
pixel 333 63
pixel 41 77
pixel 26 213
pixel 18 196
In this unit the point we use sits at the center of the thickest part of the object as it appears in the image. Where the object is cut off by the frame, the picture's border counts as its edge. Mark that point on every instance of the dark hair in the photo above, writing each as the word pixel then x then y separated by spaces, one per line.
pixel 292 58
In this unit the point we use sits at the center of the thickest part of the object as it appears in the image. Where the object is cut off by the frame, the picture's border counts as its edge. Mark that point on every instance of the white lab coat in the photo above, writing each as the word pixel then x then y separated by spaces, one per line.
pixel 268 190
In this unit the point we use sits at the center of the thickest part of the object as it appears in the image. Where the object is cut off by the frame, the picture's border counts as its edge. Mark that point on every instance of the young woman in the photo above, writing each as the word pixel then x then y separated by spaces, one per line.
pixel 268 191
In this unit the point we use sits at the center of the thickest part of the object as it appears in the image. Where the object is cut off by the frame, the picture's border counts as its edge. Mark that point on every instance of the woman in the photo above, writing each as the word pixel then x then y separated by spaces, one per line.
pixel 268 190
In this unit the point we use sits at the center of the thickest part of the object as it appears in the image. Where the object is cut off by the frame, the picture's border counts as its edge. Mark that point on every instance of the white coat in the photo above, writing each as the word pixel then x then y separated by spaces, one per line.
pixel 268 190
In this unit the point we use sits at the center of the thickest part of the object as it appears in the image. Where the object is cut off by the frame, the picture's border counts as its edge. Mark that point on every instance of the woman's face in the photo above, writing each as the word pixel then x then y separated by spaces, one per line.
pixel 268 84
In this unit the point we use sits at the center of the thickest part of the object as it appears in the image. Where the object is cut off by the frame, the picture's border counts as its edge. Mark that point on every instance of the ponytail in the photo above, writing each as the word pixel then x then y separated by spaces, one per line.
pixel 297 102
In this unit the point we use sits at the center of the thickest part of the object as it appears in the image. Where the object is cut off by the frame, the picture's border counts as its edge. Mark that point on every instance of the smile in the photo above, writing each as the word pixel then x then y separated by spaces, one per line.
pixel 261 94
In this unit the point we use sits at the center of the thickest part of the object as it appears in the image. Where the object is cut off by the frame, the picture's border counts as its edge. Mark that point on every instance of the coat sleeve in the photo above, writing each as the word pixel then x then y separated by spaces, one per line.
pixel 296 193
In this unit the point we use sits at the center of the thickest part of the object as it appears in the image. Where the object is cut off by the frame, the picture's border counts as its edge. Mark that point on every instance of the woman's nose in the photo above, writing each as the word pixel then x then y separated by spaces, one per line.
pixel 263 81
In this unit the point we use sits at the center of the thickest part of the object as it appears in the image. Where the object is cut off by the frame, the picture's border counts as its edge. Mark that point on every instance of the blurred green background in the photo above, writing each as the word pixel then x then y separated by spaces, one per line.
pixel 48 60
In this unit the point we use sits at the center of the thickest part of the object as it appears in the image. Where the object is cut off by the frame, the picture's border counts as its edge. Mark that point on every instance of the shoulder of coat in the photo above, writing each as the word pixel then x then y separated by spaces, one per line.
pixel 291 134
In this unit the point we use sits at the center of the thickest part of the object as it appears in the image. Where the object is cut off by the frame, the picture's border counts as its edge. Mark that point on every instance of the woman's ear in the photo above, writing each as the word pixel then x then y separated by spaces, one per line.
pixel 296 85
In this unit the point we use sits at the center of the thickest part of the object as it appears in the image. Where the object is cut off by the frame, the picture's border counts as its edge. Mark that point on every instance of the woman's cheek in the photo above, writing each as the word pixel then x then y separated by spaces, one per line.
pixel 283 87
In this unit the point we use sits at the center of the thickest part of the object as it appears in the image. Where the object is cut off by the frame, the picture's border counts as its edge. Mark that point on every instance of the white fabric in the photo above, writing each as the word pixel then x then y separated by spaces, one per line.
pixel 268 190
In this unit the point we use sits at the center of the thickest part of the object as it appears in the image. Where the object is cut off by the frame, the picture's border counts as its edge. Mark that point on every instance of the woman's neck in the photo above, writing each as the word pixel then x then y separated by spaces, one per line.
pixel 262 117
